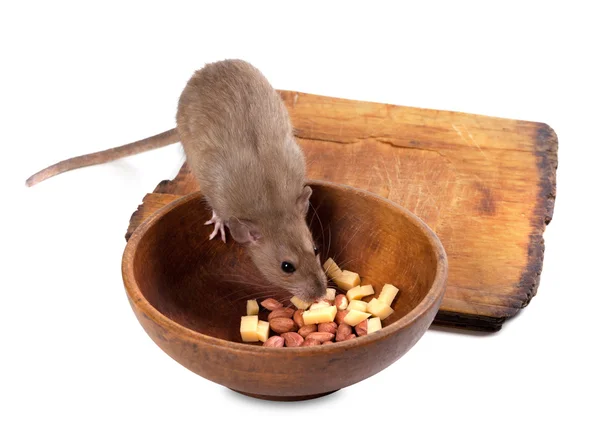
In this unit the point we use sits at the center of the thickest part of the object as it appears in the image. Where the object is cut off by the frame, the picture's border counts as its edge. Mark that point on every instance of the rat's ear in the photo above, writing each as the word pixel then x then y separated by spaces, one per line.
pixel 243 231
pixel 303 200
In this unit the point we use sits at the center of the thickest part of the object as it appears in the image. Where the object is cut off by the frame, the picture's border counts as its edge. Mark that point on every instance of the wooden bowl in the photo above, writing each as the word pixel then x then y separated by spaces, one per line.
pixel 189 293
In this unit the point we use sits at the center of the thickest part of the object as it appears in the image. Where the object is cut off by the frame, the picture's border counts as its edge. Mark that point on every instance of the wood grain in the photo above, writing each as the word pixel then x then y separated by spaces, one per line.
pixel 485 185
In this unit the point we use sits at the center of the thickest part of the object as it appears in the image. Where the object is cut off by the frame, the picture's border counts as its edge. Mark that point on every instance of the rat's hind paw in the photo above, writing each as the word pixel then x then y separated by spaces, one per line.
pixel 219 226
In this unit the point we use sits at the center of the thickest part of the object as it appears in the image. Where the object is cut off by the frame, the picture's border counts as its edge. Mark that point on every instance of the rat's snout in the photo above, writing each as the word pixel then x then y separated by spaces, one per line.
pixel 320 285
pixel 313 289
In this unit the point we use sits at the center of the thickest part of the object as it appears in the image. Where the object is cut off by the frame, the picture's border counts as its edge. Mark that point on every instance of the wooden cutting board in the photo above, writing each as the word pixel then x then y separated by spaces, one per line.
pixel 485 185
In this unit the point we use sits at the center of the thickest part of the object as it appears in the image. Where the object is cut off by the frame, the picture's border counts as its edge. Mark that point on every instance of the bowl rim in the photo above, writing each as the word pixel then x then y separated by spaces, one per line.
pixel 136 297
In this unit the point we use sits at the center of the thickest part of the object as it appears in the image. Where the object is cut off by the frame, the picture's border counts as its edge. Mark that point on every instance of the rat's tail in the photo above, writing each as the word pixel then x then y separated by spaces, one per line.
pixel 101 157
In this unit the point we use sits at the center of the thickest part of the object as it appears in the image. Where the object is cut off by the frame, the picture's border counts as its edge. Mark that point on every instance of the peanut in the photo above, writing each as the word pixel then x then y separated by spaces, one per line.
pixel 307 329
pixel 281 325
pixel 341 302
pixel 292 339
pixel 271 304
pixel 274 342
pixel 320 336
pixel 339 317
pixel 330 327
pixel 283 312
pixel 298 317
pixel 343 332
pixel 361 328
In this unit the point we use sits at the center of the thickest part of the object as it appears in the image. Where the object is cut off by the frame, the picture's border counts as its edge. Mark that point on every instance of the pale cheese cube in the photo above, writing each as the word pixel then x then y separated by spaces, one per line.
pixel 358 292
pixel 354 317
pixel 262 331
pixel 331 269
pixel 319 315
pixel 248 328
pixel 379 309
pixel 251 307
pixel 358 305
pixel 373 325
pixel 319 304
pixel 347 280
pixel 367 290
pixel 330 294
pixel 387 294
pixel 300 304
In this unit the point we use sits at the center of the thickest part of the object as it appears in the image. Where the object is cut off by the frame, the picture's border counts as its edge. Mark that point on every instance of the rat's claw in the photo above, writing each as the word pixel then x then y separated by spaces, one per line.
pixel 219 226
pixel 212 235
pixel 213 220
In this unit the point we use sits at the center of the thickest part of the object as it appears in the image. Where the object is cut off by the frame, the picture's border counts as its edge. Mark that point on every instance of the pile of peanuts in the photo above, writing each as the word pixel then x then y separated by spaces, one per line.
pixel 291 331
pixel 336 318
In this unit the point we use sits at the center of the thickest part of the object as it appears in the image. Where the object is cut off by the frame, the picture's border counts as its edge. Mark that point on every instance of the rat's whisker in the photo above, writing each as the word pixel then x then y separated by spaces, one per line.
pixel 350 239
pixel 249 284
pixel 345 263
pixel 329 242
pixel 320 222
pixel 249 297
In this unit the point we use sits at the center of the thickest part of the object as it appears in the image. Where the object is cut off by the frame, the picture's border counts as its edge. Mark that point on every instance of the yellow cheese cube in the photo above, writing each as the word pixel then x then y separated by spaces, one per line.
pixel 331 269
pixel 379 309
pixel 373 325
pixel 319 315
pixel 358 292
pixel 300 304
pixel 387 294
pixel 367 290
pixel 354 317
pixel 358 305
pixel 354 294
pixel 251 307
pixel 248 327
pixel 262 331
pixel 330 294
pixel 347 280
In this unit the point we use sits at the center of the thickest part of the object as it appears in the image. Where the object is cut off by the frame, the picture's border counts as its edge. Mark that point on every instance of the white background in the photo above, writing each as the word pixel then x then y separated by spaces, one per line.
pixel 77 367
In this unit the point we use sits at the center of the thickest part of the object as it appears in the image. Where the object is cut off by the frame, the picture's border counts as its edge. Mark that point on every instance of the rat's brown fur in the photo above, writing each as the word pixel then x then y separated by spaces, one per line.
pixel 239 144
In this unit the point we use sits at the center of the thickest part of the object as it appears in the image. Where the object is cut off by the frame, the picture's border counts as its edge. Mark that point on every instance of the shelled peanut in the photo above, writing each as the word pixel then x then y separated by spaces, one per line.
pixel 337 318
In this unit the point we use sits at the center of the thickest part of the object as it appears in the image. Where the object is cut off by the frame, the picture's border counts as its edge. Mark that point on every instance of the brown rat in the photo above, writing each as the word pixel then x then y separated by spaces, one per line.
pixel 239 144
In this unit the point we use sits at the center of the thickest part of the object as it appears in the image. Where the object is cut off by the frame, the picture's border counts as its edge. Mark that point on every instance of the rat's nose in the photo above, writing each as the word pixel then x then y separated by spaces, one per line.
pixel 320 288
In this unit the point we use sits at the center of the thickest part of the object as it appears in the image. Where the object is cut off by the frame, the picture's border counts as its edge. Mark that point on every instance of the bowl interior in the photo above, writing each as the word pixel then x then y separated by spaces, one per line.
pixel 203 285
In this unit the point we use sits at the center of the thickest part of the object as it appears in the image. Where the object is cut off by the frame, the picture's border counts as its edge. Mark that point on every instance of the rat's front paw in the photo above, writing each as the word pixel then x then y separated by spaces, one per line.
pixel 219 226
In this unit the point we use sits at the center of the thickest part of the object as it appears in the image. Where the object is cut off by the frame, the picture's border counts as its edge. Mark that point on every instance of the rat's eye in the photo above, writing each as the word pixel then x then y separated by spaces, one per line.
pixel 316 250
pixel 288 267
